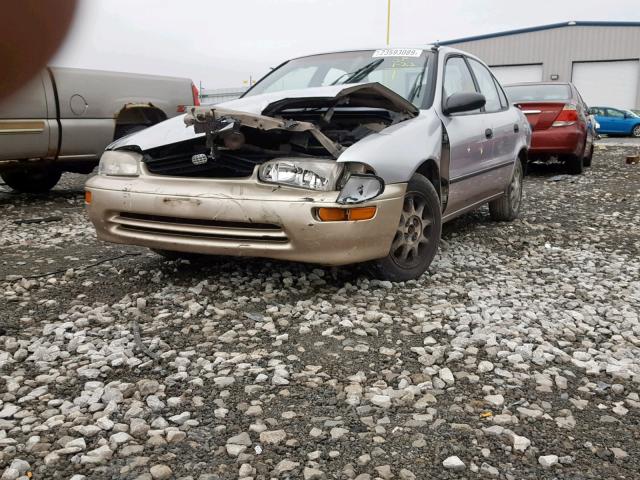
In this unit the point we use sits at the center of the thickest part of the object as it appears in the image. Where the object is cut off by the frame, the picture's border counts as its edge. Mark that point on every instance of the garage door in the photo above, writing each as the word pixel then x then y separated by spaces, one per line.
pixel 518 73
pixel 614 84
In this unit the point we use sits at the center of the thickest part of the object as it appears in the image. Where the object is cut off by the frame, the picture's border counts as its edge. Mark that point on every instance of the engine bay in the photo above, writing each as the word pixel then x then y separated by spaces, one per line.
pixel 235 142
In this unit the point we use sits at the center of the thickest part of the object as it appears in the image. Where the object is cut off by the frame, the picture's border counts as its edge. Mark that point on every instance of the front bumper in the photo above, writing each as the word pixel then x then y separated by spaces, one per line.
pixel 557 140
pixel 238 217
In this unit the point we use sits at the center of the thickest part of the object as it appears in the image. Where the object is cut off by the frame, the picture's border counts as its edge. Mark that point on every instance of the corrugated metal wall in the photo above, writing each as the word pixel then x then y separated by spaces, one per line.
pixel 558 48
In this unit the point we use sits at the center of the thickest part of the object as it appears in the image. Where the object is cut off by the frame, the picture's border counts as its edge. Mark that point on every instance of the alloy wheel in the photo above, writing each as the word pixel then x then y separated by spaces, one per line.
pixel 414 231
pixel 515 188
pixel 636 131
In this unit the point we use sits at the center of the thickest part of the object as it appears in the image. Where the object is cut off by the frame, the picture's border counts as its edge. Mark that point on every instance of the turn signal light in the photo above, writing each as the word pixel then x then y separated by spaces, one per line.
pixel 346 214
pixel 87 197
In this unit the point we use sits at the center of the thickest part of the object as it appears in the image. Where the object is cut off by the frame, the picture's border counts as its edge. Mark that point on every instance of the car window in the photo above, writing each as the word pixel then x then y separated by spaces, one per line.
pixel 487 86
pixel 538 92
pixel 332 75
pixel 405 71
pixel 503 97
pixel 293 80
pixel 582 102
pixel 612 112
pixel 457 77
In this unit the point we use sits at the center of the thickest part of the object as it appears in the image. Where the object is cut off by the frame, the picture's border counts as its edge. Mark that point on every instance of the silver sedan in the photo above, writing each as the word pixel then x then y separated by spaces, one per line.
pixel 338 158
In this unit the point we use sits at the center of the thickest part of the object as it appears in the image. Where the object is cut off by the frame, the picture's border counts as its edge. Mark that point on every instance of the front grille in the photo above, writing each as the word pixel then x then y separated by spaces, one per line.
pixel 217 230
pixel 175 160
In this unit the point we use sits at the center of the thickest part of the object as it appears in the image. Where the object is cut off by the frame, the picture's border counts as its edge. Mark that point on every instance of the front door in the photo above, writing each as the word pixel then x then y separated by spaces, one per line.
pixel 467 140
pixel 616 121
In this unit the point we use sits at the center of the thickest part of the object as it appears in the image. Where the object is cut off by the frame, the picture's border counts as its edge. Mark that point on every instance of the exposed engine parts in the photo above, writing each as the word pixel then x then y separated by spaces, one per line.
pixel 235 142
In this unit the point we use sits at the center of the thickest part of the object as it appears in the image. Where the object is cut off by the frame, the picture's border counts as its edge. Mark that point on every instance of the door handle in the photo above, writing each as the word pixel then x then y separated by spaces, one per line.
pixel 516 128
pixel 488 133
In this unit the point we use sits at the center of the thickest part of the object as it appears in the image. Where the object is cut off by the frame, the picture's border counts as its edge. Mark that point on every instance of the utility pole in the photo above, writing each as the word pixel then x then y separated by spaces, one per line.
pixel 388 20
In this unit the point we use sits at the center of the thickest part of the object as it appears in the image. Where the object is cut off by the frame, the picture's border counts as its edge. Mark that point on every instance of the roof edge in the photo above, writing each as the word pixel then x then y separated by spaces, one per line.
pixel 538 29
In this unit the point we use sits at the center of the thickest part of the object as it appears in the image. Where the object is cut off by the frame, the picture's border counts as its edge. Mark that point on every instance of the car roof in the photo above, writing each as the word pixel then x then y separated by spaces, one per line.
pixel 429 46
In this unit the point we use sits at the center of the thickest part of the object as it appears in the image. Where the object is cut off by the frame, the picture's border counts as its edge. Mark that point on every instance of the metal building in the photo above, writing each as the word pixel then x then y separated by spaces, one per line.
pixel 601 58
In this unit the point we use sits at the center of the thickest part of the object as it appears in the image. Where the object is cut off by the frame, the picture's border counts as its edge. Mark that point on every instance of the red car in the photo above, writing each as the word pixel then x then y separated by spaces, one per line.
pixel 560 122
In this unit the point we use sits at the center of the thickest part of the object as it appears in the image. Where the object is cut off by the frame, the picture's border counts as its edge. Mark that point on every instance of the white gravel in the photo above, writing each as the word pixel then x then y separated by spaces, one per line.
pixel 518 356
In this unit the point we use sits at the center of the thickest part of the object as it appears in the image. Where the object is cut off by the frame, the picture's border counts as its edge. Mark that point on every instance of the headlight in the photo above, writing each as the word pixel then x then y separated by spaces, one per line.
pixel 120 163
pixel 303 173
pixel 360 188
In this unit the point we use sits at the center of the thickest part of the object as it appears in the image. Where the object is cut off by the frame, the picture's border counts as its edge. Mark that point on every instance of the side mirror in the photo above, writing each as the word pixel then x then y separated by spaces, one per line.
pixel 463 102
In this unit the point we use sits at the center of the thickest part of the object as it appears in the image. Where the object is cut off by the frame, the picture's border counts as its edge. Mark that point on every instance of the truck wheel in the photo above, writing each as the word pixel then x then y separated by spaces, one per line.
pixel 416 241
pixel 574 163
pixel 507 207
pixel 32 179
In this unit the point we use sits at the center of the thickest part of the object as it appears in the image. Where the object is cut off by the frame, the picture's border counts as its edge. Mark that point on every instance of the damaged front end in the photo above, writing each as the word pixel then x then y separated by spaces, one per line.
pixel 232 180
pixel 231 142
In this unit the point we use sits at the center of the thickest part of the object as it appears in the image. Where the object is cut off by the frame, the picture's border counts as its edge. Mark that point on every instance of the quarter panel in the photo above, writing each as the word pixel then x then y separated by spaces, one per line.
pixel 106 93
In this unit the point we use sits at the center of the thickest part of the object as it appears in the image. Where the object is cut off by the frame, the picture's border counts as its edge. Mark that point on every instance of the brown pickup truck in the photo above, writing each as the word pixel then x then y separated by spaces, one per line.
pixel 64 118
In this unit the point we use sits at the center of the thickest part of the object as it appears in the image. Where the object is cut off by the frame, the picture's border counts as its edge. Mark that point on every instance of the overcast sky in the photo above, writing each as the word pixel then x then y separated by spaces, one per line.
pixel 223 42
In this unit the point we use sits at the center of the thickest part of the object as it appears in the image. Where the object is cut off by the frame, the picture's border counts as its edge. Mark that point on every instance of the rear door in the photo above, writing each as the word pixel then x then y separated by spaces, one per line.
pixel 501 132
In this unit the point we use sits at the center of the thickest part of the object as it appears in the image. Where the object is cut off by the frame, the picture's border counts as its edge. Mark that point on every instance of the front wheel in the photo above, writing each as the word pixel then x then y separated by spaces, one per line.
pixel 507 207
pixel 416 240
pixel 32 179
pixel 636 131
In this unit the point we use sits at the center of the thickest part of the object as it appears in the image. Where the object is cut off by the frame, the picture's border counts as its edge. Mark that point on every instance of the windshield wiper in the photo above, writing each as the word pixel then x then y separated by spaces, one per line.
pixel 417 86
pixel 360 73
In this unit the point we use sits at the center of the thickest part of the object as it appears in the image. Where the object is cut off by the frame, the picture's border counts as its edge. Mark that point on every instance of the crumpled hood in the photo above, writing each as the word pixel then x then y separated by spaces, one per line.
pixel 371 95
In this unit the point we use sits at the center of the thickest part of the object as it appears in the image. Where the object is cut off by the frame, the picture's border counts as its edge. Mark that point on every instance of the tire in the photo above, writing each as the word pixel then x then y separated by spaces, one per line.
pixel 32 179
pixel 507 207
pixel 418 236
pixel 574 163
pixel 124 130
pixel 587 159
pixel 636 131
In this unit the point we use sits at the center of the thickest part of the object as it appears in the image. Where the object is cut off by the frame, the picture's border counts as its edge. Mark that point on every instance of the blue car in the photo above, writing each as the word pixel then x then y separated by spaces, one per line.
pixel 614 121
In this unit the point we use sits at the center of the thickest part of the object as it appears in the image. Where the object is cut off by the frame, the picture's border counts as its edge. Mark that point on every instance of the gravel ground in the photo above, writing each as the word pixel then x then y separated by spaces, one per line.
pixel 517 357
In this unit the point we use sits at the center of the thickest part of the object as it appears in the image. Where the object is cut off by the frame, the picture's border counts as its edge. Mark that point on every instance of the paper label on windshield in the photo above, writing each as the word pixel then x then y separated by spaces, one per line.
pixel 397 52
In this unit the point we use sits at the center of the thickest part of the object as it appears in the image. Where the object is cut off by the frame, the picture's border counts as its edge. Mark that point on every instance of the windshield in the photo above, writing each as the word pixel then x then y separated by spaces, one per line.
pixel 405 71
pixel 630 113
pixel 538 93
